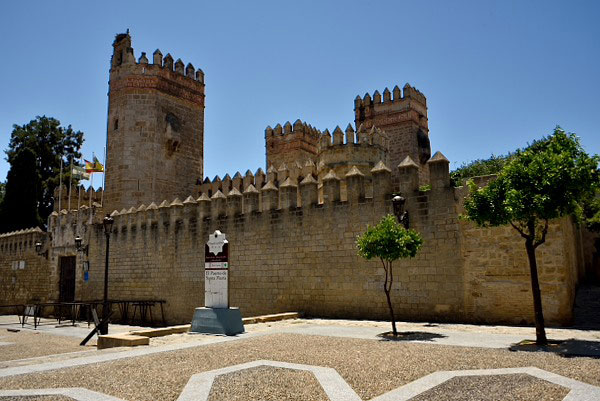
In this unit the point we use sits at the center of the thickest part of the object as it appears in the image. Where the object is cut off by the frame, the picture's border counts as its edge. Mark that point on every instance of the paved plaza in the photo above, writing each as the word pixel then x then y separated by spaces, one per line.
pixel 302 359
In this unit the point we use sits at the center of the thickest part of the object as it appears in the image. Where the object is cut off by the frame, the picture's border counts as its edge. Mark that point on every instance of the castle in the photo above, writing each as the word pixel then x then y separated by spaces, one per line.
pixel 292 227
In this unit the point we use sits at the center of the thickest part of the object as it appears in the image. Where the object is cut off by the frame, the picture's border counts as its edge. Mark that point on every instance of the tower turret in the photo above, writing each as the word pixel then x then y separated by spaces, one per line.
pixel 292 143
pixel 404 119
pixel 155 128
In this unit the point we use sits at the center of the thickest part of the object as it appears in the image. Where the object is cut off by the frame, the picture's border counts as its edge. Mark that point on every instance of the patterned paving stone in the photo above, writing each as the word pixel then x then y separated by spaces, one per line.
pixel 516 387
pixel 275 384
pixel 345 368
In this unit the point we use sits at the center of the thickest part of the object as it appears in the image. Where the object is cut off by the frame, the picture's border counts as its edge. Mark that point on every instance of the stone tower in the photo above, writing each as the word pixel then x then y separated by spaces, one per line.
pixel 291 143
pixel 155 128
pixel 403 117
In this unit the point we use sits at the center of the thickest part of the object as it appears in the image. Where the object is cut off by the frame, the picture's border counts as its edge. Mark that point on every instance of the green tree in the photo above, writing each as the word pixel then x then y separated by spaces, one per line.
pixel 389 241
pixel 592 214
pixel 552 178
pixel 49 142
pixel 19 206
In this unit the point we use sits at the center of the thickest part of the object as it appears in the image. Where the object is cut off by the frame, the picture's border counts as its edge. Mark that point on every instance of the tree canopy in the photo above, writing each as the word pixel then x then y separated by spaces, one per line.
pixel 551 178
pixel 49 142
pixel 19 206
pixel 389 240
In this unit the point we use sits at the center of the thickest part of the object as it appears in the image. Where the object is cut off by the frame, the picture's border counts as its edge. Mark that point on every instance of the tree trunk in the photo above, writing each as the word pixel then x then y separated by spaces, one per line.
pixel 389 301
pixel 540 331
pixel 387 286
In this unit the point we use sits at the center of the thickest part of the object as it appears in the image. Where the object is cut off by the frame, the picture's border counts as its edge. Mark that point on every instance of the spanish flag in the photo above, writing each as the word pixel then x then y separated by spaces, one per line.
pixel 94 167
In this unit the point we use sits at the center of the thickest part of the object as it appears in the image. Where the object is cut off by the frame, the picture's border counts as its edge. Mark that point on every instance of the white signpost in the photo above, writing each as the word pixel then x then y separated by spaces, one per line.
pixel 216 271
pixel 216 317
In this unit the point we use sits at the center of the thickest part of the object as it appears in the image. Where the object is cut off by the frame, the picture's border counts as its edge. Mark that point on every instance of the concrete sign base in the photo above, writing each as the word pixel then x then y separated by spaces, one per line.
pixel 226 321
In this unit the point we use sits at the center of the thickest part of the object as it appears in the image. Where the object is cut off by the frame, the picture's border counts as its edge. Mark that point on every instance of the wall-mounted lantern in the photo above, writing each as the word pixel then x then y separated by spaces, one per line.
pixel 78 242
pixel 39 246
pixel 401 214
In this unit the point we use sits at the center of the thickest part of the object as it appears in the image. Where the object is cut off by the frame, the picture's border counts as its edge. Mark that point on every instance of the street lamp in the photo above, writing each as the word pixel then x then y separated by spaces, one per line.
pixel 78 242
pixel 398 205
pixel 39 246
pixel 107 223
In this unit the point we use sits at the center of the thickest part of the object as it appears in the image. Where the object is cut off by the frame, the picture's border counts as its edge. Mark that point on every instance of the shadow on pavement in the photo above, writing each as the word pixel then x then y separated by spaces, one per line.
pixel 410 336
pixel 567 348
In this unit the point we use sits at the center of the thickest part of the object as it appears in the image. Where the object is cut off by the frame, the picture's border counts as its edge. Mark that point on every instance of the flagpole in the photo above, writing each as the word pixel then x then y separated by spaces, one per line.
pixel 79 189
pixel 103 180
pixel 70 183
pixel 91 187
pixel 60 185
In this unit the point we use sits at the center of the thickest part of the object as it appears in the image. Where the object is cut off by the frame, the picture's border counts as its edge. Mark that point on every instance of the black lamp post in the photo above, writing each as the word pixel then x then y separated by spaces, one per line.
pixel 107 223
pixel 398 205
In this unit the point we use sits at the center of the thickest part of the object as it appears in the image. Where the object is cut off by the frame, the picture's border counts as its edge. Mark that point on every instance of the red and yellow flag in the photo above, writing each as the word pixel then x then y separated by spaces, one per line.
pixel 94 167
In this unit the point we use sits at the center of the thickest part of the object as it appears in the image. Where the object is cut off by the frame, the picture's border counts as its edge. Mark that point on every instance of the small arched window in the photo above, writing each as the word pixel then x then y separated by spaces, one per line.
pixel 116 124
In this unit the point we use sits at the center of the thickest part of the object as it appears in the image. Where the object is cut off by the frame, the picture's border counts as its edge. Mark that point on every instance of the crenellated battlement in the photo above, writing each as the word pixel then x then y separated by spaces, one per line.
pixel 343 151
pixel 79 197
pixel 291 143
pixel 363 137
pixel 257 196
pixel 298 128
pixel 239 182
pixel 21 241
pixel 65 225
pixel 394 97
pixel 123 55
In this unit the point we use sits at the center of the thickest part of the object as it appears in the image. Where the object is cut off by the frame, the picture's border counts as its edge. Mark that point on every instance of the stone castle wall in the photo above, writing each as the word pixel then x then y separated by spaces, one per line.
pixel 290 252
pixel 25 276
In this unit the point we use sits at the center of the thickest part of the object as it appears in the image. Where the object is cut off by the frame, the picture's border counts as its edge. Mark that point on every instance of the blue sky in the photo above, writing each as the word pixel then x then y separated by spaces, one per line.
pixel 496 74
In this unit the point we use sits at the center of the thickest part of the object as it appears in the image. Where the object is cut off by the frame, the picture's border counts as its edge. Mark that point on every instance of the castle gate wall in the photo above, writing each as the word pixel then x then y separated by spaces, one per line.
pixel 281 260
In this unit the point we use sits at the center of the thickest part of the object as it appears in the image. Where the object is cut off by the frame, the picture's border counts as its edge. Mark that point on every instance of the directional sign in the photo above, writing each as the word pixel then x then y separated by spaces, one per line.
pixel 216 271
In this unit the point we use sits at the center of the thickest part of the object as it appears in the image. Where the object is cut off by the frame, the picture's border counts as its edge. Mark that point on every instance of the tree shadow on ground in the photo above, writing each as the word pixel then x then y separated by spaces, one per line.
pixel 566 348
pixel 410 336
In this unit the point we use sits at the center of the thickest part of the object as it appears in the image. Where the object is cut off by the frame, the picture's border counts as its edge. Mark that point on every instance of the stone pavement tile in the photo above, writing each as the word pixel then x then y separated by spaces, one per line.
pixel 371 368
pixel 511 386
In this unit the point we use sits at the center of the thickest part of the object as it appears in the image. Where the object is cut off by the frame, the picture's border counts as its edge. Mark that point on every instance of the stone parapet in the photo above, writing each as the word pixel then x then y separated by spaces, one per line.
pixel 291 143
pixel 21 241
pixel 80 196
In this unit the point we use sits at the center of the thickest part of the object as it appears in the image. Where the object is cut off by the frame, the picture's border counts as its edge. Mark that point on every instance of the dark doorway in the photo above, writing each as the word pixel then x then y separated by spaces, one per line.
pixel 67 279
pixel 586 311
